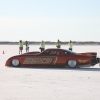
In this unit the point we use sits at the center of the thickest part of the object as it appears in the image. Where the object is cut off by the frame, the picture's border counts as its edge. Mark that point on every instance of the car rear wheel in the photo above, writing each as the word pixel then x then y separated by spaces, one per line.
pixel 72 63
pixel 15 63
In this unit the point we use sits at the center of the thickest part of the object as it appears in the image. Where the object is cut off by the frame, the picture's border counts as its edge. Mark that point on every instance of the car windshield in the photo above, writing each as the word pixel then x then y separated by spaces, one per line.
pixel 71 52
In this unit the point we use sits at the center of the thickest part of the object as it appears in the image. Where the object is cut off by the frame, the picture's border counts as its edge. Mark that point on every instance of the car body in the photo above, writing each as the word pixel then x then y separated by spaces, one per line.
pixel 54 57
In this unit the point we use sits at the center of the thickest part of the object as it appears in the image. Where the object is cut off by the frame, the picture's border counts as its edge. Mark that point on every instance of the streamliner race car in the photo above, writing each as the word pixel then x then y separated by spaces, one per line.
pixel 54 57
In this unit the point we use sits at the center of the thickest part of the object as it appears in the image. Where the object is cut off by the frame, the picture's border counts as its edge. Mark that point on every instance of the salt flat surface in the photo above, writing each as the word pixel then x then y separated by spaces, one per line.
pixel 48 83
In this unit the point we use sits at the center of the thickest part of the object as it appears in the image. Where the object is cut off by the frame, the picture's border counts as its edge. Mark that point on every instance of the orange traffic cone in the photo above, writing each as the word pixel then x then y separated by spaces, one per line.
pixel 3 52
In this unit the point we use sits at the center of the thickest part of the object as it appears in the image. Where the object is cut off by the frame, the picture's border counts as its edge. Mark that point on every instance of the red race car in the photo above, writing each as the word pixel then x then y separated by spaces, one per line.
pixel 54 57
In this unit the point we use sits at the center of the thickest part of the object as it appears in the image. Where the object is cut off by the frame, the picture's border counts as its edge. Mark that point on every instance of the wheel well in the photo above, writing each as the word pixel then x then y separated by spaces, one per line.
pixel 13 65
pixel 69 60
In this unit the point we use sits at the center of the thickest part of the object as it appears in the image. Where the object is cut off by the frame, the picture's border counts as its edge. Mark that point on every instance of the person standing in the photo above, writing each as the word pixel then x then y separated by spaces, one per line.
pixel 27 46
pixel 70 44
pixel 58 44
pixel 42 46
pixel 20 46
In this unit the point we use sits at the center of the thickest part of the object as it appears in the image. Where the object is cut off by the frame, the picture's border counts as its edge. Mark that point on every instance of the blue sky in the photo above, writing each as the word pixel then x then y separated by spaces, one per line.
pixel 50 20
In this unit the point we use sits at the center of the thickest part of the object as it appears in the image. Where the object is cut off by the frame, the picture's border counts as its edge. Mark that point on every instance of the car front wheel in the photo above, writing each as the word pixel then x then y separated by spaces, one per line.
pixel 72 63
pixel 15 63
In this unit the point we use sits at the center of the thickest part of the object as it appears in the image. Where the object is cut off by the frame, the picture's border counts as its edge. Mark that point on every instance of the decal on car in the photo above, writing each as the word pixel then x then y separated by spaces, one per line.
pixel 88 54
pixel 40 60
pixel 82 61
pixel 84 54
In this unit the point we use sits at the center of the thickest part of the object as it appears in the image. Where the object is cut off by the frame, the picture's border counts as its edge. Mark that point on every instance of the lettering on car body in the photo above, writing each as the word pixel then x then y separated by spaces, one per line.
pixel 40 60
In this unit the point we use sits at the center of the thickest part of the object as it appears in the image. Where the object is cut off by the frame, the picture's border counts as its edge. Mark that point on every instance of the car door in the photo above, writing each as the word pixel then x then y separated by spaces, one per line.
pixel 49 58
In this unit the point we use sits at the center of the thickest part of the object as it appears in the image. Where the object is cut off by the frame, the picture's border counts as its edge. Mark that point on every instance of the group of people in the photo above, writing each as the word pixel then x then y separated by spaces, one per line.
pixel 70 44
pixel 21 46
pixel 58 45
pixel 42 45
pixel 26 43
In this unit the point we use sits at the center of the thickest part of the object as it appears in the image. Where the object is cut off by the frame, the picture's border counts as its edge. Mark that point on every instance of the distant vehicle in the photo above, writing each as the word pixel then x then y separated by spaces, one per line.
pixel 55 58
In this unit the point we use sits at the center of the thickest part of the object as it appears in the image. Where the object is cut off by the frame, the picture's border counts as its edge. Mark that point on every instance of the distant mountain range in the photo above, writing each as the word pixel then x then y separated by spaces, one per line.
pixel 52 43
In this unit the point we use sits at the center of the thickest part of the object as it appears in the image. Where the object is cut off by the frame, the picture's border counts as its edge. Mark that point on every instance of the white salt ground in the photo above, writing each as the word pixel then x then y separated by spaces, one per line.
pixel 48 83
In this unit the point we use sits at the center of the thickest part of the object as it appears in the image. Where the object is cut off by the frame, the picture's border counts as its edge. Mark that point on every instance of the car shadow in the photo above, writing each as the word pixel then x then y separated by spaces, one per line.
pixel 61 68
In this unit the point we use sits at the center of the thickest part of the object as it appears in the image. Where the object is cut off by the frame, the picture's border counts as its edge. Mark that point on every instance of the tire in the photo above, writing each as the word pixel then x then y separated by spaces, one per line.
pixel 15 63
pixel 72 63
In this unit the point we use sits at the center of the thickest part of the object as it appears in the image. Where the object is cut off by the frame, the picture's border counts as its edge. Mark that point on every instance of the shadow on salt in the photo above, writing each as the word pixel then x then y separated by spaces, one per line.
pixel 60 68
